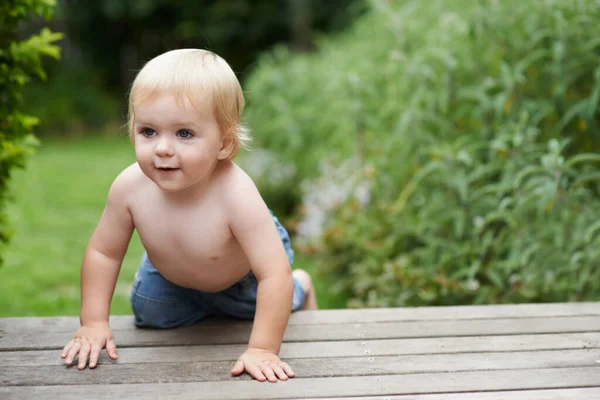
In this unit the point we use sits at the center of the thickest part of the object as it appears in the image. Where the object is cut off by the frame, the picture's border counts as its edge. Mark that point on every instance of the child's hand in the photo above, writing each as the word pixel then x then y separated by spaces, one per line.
pixel 262 365
pixel 89 341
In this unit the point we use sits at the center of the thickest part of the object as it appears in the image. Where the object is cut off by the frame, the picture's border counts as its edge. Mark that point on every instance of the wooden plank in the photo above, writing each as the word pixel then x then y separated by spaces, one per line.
pixel 238 333
pixel 446 345
pixel 349 316
pixel 378 385
pixel 305 368
pixel 554 394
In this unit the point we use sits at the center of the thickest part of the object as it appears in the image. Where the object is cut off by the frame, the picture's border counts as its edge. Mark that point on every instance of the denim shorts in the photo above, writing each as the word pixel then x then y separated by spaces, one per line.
pixel 158 303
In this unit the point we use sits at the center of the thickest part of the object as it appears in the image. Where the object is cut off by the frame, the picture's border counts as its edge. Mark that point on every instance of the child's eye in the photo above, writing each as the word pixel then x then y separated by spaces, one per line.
pixel 148 132
pixel 185 134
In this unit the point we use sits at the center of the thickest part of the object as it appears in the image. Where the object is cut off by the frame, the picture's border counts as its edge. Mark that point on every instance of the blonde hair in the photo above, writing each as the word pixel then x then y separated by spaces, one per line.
pixel 195 74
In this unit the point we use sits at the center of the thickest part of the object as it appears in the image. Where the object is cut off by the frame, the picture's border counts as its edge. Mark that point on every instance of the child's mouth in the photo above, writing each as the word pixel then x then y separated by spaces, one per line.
pixel 167 169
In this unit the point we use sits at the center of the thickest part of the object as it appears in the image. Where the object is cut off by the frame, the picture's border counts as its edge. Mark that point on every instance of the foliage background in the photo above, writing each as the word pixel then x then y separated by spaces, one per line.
pixel 422 152
pixel 20 62
pixel 461 139
pixel 57 200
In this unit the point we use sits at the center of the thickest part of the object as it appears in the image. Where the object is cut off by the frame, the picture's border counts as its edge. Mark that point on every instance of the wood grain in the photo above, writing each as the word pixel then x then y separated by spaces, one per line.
pixel 377 385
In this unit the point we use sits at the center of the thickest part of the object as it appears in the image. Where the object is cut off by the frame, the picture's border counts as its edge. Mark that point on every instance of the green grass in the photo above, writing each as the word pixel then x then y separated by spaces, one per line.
pixel 58 200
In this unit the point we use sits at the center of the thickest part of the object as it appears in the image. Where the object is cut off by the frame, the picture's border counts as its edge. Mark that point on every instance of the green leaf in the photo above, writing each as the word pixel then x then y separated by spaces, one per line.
pixel 586 178
pixel 410 188
pixel 496 278
pixel 528 171
pixel 582 158
pixel 591 232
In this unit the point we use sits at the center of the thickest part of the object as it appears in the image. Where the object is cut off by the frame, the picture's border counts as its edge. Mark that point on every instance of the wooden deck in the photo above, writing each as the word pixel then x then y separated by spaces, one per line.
pixel 524 352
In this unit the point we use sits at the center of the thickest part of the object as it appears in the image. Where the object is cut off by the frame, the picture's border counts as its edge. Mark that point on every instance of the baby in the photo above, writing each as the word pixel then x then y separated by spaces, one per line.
pixel 212 245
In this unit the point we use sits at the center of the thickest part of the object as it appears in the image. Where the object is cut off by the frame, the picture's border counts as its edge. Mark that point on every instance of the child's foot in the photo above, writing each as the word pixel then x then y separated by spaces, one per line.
pixel 310 297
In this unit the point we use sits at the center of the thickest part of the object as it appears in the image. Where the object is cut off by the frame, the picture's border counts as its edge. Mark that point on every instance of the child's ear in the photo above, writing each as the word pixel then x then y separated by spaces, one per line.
pixel 227 146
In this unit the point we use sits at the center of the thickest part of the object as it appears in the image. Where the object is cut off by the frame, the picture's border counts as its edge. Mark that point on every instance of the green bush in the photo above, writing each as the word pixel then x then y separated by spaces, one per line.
pixel 20 61
pixel 71 102
pixel 474 125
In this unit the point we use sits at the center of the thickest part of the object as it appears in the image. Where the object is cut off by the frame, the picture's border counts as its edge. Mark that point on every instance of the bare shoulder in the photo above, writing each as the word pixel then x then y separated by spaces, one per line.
pixel 238 191
pixel 235 183
pixel 125 184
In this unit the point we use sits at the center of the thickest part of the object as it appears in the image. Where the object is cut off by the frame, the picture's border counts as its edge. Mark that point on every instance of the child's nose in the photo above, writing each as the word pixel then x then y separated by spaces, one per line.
pixel 164 147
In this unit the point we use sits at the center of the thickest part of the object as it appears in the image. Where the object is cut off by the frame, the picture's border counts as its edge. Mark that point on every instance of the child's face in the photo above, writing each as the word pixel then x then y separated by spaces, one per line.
pixel 176 145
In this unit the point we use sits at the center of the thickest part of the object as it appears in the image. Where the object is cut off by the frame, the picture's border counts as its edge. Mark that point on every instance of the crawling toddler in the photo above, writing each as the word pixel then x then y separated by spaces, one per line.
pixel 212 245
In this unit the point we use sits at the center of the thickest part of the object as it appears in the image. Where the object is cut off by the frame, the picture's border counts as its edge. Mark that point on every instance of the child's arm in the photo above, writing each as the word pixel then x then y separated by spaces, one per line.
pixel 99 272
pixel 253 227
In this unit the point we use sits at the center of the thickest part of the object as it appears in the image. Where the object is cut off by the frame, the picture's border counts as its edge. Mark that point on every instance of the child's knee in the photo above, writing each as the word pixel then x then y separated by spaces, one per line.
pixel 304 279
pixel 310 298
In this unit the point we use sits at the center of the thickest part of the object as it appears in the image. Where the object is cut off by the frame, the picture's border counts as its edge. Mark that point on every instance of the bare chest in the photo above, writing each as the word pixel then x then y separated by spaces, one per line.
pixel 191 231
pixel 191 246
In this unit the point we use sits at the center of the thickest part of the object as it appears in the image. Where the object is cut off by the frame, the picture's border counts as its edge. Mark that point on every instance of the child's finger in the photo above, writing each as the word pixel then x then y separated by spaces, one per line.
pixel 67 348
pixel 279 372
pixel 255 372
pixel 94 354
pixel 83 355
pixel 288 370
pixel 73 352
pixel 268 372
pixel 238 368
pixel 111 349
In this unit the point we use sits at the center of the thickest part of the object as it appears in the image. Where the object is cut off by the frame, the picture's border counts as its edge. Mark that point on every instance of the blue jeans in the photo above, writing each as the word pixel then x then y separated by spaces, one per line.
pixel 158 303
